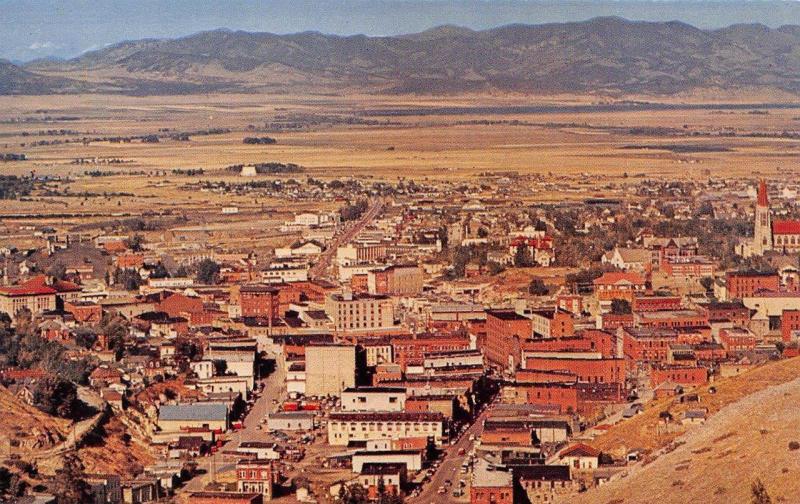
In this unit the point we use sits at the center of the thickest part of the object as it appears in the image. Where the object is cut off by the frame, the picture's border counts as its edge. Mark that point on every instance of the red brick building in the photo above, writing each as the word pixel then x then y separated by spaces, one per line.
pixel 619 285
pixel 647 344
pixel 505 332
pixel 790 325
pixel 564 396
pixel 412 350
pixel 260 301
pixel 84 312
pixel 732 311
pixel 225 498
pixel 742 284
pixel 656 303
pixel 682 375
pixel 588 367
pixel 737 339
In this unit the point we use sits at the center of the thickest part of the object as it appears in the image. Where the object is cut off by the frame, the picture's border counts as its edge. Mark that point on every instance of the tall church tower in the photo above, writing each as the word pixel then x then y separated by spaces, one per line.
pixel 762 235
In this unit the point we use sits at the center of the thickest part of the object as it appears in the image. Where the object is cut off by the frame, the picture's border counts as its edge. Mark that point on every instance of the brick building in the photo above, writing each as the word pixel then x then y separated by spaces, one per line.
pixel 505 332
pixel 744 284
pixel 683 375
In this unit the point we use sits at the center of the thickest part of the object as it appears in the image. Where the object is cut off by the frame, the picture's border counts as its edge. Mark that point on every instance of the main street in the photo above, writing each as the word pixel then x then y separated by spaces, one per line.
pixel 321 266
pixel 274 388
pixel 450 465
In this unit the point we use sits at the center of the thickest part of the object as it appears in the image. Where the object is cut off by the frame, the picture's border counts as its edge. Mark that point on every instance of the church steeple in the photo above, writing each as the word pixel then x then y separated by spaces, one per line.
pixel 763 199
pixel 762 233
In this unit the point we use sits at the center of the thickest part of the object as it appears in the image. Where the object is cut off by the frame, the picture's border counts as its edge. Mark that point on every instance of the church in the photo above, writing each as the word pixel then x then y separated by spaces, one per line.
pixel 781 236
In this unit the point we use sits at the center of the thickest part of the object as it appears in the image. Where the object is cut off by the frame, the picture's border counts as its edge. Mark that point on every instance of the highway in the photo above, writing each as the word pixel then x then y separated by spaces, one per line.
pixel 325 259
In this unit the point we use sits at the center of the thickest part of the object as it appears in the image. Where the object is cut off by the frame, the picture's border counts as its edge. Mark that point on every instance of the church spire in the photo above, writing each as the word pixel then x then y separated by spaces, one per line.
pixel 763 200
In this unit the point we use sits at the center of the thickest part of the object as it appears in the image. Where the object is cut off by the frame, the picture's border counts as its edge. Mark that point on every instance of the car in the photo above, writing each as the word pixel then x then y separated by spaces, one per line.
pixel 441 490
pixel 472 437
pixel 462 451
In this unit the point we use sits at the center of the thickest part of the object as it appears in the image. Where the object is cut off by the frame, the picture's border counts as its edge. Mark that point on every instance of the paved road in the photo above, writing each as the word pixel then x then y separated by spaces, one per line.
pixel 321 266
pixel 450 467
pixel 274 388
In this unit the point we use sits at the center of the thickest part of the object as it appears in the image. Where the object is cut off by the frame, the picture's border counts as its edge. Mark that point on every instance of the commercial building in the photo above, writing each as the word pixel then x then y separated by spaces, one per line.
pixel 255 476
pixel 374 399
pixel 357 312
pixel 177 417
pixel 330 369
pixel 345 427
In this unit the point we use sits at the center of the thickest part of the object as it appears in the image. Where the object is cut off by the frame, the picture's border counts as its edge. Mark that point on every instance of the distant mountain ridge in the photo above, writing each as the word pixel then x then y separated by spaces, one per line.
pixel 601 55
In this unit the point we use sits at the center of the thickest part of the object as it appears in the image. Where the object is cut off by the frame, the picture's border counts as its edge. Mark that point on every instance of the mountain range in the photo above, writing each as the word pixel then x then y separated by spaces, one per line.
pixel 610 56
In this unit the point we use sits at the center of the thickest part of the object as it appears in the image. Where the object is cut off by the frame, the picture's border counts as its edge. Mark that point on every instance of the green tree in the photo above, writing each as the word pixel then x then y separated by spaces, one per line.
pixel 207 272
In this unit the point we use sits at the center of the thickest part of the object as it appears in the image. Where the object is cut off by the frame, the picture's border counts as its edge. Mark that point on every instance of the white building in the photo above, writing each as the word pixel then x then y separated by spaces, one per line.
pixel 344 427
pixel 374 399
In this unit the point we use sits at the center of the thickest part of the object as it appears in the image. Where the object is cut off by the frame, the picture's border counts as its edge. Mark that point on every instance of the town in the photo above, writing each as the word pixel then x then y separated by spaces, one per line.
pixel 392 340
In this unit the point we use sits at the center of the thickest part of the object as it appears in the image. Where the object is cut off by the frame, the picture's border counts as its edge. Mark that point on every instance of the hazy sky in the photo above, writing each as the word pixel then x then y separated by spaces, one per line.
pixel 38 28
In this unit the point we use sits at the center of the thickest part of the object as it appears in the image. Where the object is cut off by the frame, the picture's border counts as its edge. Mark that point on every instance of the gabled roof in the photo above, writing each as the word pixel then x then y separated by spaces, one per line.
pixel 580 450
pixel 786 227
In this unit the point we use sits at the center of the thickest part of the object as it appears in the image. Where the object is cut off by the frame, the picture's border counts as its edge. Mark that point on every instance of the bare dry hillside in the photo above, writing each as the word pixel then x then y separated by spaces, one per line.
pixel 718 461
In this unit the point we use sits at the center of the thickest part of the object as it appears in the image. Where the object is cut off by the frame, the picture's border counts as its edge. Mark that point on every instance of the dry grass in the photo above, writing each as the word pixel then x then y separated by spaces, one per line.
pixel 747 437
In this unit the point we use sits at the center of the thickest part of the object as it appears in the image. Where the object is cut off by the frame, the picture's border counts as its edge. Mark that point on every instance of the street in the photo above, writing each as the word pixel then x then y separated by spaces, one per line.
pixel 208 467
pixel 321 266
pixel 451 465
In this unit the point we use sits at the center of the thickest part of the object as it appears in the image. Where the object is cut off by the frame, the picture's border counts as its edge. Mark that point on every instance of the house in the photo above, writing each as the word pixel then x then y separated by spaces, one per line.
pixel 638 260
pixel 391 476
pixel 581 457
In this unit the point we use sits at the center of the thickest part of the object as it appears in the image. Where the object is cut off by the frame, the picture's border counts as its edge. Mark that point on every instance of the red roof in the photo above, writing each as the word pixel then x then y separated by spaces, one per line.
pixel 38 286
pixel 616 277
pixel 786 227
pixel 544 242
pixel 763 200
pixel 580 450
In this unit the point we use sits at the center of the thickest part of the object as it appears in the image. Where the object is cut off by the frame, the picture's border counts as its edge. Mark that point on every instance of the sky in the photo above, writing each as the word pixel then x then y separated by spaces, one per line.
pixel 31 29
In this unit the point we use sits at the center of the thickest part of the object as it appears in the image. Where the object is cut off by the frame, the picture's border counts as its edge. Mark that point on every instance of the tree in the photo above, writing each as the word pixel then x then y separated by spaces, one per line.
pixel 58 397
pixel 69 485
pixel 538 287
pixel 159 271
pixel 85 337
pixel 707 283
pixel 207 271
pixel 759 493
pixel 495 268
pixel 620 307
pixel 135 242
pixel 129 279
pixel 522 257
